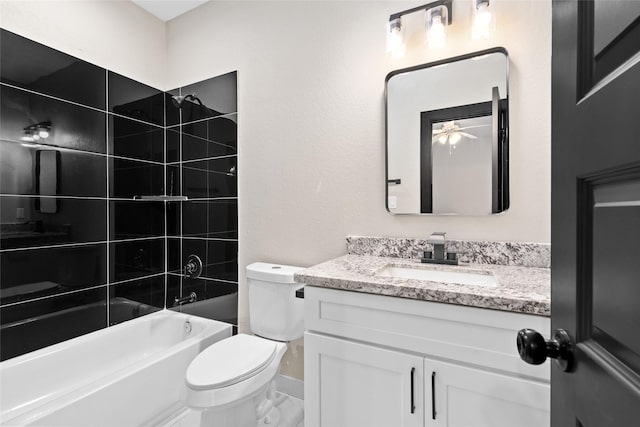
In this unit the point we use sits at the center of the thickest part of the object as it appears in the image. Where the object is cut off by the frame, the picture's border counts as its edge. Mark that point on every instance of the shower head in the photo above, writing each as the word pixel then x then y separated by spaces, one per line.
pixel 178 100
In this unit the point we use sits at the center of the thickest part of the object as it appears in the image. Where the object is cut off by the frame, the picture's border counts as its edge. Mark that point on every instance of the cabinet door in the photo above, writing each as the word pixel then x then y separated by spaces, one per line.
pixel 348 384
pixel 471 397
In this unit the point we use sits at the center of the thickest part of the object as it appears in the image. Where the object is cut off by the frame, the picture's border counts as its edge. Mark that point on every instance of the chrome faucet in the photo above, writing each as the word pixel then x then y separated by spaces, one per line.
pixel 439 255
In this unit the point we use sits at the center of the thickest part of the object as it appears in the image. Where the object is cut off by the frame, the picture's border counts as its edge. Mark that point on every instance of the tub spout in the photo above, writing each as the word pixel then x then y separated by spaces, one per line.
pixel 192 297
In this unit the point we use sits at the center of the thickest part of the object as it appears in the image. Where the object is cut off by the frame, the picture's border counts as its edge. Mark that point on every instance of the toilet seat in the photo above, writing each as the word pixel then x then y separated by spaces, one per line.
pixel 232 369
pixel 240 357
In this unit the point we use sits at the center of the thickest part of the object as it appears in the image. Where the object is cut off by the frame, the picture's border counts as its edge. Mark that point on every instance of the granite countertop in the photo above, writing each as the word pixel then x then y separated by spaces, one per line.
pixel 520 289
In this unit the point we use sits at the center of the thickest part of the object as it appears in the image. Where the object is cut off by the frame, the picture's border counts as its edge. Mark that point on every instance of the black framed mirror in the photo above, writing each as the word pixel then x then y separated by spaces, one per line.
pixel 447 136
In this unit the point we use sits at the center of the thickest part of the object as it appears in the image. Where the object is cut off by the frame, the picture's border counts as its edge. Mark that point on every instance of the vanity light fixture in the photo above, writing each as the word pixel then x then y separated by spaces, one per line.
pixel 483 22
pixel 36 132
pixel 438 14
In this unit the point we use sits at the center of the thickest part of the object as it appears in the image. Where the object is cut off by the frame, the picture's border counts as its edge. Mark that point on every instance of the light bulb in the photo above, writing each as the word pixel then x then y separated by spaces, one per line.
pixel 395 42
pixel 454 138
pixel 43 133
pixel 27 138
pixel 442 138
pixel 435 33
pixel 482 26
pixel 35 137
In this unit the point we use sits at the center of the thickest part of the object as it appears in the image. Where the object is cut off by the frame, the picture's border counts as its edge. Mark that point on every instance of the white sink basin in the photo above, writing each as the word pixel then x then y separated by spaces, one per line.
pixel 455 277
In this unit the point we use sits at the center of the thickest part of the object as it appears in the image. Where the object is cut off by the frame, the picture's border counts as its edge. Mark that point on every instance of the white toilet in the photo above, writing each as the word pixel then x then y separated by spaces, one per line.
pixel 233 380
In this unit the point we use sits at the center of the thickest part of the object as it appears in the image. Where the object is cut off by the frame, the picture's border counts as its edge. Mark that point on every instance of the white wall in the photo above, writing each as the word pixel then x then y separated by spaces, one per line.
pixel 117 35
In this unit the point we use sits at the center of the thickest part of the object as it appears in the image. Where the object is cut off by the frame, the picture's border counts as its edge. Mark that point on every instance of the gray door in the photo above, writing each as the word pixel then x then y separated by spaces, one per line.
pixel 596 211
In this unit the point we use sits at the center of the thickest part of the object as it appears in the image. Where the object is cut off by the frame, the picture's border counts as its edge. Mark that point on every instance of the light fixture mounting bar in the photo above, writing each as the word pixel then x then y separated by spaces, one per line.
pixel 425 7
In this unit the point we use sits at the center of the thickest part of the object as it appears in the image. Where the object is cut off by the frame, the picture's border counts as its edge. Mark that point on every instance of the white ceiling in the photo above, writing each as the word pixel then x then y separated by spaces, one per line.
pixel 168 9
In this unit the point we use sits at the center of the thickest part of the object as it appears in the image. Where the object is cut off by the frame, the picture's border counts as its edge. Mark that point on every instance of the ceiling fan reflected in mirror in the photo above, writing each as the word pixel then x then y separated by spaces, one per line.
pixel 452 133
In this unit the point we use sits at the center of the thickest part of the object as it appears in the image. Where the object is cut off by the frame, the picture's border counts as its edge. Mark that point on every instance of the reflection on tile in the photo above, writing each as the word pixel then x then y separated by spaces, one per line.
pixel 210 219
pixel 135 219
pixel 131 178
pixel 218 96
pixel 210 178
pixel 33 325
pixel 173 185
pixel 76 221
pixel 215 300
pixel 21 170
pixel 136 298
pixel 173 144
pixel 71 126
pixel 56 73
pixel 173 218
pixel 136 140
pixel 133 259
pixel 134 99
pixel 34 273
pixel 199 143
pixel 219 258
pixel 174 255
pixel 172 112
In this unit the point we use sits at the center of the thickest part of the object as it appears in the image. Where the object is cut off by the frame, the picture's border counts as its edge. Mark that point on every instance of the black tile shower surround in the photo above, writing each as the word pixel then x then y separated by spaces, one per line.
pixel 72 125
pixel 78 220
pixel 221 298
pixel 39 323
pixel 133 99
pixel 56 74
pixel 111 148
pixel 36 273
pixel 135 140
pixel 71 164
pixel 135 259
pixel 55 282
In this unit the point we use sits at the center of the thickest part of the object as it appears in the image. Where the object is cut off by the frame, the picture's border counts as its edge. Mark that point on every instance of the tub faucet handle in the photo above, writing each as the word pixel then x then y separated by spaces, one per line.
pixel 193 267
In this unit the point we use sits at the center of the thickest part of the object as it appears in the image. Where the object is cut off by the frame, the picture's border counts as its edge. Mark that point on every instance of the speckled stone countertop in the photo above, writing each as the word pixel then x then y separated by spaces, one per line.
pixel 520 289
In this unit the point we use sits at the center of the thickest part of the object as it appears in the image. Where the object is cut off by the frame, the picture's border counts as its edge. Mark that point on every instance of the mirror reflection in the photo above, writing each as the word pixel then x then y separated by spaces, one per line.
pixel 447 136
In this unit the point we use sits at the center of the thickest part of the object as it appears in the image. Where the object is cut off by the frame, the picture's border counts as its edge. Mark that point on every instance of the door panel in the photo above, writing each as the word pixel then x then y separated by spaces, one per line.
pixel 466 397
pixel 352 384
pixel 596 210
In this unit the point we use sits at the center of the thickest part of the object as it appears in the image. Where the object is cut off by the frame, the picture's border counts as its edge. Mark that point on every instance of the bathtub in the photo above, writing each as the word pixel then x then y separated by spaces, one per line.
pixel 131 374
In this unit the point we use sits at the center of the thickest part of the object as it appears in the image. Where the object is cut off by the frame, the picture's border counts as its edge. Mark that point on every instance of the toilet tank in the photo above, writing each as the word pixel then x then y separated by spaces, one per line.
pixel 274 311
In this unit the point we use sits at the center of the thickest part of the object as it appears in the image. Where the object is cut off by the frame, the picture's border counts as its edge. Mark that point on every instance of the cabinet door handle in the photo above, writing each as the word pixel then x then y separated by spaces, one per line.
pixel 413 406
pixel 433 395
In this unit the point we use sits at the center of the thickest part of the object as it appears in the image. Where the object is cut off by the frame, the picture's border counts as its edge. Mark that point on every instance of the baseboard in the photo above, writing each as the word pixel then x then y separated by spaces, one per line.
pixel 291 386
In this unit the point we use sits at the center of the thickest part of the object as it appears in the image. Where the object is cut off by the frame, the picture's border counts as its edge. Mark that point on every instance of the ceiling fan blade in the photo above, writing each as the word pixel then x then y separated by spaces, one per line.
pixel 468 135
pixel 476 126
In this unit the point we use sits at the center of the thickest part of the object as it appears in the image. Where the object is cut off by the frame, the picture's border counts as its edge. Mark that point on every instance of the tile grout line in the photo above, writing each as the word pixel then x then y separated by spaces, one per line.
pixel 71 245
pixel 108 207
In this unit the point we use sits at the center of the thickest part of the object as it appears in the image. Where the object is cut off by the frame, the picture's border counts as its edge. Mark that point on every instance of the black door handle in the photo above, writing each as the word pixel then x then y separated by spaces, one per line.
pixel 534 349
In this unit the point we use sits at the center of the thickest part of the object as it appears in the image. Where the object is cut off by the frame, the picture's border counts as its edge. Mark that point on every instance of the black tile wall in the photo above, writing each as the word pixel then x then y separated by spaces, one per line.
pixel 25 162
pixel 202 165
pixel 211 219
pixel 133 99
pixel 30 65
pixel 136 298
pixel 134 178
pixel 77 252
pixel 31 274
pixel 136 219
pixel 35 324
pixel 76 221
pixel 135 140
pixel 135 259
pixel 72 126
pixel 215 300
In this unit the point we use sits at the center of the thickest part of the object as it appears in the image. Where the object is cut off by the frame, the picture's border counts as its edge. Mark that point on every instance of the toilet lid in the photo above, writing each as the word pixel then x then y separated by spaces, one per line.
pixel 230 361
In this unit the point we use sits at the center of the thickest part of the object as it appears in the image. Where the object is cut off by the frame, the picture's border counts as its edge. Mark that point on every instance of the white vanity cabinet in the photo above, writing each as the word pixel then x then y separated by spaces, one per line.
pixel 374 360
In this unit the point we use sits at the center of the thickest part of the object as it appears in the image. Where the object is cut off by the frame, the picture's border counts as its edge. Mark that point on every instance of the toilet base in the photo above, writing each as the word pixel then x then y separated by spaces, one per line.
pixel 257 409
